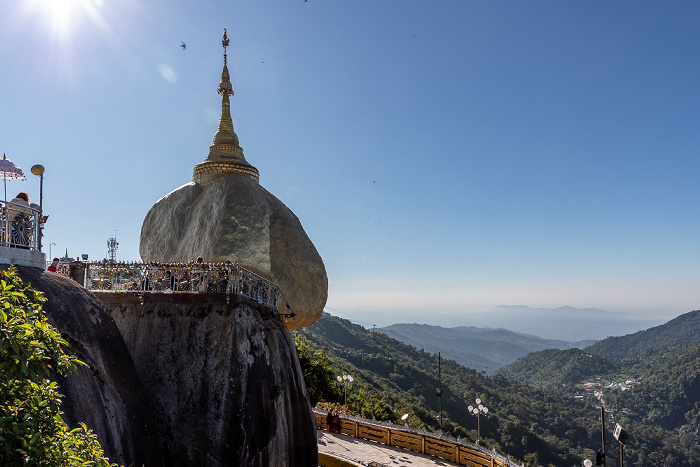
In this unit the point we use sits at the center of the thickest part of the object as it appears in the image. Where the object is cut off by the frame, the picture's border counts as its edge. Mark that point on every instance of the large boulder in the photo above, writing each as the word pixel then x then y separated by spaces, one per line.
pixel 234 218
pixel 223 379
pixel 106 394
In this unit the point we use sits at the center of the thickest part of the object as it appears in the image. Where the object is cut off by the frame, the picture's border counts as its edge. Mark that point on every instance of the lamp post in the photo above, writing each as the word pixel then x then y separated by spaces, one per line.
pixel 477 411
pixel 621 436
pixel 345 380
pixel 38 170
pixel 50 245
pixel 438 391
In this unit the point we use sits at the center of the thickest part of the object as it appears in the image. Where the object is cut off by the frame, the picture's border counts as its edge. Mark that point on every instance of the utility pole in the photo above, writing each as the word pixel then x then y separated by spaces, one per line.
pixel 438 391
pixel 602 425
pixel 112 246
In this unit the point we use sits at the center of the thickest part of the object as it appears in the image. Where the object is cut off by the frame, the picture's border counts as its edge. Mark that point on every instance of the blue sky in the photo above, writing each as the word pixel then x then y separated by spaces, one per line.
pixel 444 156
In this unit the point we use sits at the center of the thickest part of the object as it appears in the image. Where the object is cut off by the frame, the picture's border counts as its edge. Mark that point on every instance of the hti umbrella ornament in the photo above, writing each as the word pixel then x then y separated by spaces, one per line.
pixel 9 171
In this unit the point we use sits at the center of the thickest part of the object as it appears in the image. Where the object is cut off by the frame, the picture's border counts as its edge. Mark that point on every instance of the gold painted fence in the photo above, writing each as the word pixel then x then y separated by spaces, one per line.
pixel 423 443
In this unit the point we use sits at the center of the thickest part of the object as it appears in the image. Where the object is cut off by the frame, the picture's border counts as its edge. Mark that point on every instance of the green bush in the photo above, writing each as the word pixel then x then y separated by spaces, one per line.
pixel 319 376
pixel 32 432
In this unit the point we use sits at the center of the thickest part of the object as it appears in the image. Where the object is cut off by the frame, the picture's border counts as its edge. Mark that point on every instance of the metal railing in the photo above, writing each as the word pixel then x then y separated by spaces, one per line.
pixel 19 226
pixel 227 278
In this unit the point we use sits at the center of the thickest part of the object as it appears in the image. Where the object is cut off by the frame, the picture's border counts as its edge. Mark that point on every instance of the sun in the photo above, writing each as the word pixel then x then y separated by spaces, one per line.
pixel 62 14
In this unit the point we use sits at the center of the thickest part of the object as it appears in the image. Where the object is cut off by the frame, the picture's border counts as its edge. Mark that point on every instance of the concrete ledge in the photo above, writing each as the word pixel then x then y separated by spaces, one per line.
pixel 328 460
pixel 150 300
pixel 22 257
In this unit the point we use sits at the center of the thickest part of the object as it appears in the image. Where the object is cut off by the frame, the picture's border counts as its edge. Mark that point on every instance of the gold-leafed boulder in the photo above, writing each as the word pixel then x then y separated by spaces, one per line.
pixel 225 215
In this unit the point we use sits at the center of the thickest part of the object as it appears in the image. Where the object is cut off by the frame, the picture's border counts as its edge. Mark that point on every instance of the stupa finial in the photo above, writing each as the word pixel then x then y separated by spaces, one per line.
pixel 225 86
pixel 226 154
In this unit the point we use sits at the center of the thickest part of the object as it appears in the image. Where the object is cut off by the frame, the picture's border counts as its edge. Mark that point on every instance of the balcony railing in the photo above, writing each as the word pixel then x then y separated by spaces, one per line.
pixel 19 226
pixel 227 278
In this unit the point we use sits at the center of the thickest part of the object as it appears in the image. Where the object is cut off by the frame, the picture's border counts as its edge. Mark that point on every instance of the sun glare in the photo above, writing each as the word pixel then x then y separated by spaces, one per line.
pixel 64 16
pixel 62 13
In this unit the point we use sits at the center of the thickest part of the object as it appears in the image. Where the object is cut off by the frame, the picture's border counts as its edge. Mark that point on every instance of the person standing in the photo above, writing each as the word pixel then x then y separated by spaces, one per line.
pixel 21 204
pixel 53 267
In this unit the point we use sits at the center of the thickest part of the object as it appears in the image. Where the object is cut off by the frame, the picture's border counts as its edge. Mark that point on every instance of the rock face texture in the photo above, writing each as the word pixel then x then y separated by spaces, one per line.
pixel 234 218
pixel 106 395
pixel 223 380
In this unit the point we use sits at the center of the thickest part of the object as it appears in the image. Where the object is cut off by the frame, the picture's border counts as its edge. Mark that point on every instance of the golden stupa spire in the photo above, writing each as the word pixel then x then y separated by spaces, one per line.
pixel 226 154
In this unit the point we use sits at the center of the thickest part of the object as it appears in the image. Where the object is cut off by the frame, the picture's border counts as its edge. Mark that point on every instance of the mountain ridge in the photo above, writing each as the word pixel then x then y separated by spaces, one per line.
pixel 683 328
pixel 484 349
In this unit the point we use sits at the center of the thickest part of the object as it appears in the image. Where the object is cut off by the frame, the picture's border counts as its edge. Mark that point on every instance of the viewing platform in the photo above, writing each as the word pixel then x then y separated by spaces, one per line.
pixel 20 235
pixel 157 278
pixel 439 447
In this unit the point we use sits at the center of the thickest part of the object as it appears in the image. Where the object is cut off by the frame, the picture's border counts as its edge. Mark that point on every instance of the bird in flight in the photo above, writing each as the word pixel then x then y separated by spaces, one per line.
pixel 183 45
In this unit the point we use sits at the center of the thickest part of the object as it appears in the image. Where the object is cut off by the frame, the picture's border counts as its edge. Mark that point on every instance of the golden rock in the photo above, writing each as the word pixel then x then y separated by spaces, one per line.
pixel 225 215
pixel 235 219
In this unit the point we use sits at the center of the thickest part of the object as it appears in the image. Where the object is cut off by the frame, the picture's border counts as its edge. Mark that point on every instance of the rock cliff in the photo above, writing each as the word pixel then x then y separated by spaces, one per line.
pixel 222 377
pixel 106 395
pixel 181 379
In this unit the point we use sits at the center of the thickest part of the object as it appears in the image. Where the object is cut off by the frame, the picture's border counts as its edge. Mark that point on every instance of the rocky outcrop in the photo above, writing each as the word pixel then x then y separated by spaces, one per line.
pixel 106 395
pixel 222 376
pixel 234 218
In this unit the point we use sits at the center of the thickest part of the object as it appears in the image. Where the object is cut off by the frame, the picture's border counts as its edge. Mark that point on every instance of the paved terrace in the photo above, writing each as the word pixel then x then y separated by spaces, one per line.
pixel 374 444
pixel 371 453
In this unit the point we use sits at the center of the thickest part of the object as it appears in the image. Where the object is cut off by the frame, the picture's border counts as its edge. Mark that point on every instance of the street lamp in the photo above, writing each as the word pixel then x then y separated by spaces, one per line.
pixel 38 170
pixel 621 436
pixel 50 245
pixel 345 380
pixel 477 411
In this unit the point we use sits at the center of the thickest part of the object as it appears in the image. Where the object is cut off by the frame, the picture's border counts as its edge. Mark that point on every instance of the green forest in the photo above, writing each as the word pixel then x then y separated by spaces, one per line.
pixel 539 412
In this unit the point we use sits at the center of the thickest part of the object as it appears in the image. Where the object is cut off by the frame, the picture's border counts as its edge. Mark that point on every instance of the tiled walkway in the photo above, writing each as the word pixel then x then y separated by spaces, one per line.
pixel 372 453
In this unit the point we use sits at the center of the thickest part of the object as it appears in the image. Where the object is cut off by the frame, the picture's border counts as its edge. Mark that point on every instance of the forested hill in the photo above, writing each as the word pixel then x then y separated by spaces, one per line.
pixel 654 392
pixel 668 393
pixel 684 328
pixel 392 378
pixel 661 410
pixel 479 348
pixel 558 370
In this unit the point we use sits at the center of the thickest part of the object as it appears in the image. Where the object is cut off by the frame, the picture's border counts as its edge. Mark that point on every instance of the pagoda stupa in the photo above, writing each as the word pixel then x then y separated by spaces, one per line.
pixel 224 214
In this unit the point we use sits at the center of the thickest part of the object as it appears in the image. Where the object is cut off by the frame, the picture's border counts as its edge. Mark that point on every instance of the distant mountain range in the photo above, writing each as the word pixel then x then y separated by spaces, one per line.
pixel 565 323
pixel 392 379
pixel 684 328
pixel 663 362
pixel 550 420
pixel 484 349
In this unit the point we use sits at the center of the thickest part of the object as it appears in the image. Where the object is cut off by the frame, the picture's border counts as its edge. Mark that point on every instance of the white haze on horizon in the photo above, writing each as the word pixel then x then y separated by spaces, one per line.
pixel 572 325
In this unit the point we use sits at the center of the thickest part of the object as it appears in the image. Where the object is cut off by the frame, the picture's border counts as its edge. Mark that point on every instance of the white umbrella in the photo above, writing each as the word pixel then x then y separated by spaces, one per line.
pixel 9 170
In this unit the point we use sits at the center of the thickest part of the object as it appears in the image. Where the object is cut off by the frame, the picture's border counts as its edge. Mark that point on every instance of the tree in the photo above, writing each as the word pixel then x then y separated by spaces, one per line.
pixel 318 373
pixel 32 432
